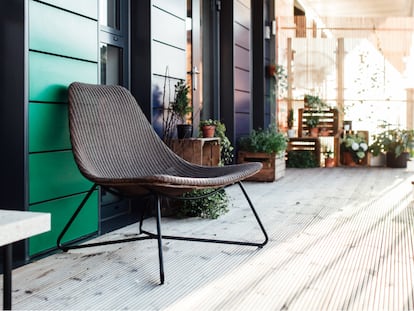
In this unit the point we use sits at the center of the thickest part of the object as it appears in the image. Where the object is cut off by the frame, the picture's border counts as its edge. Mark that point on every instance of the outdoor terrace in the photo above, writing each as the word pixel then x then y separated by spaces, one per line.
pixel 340 239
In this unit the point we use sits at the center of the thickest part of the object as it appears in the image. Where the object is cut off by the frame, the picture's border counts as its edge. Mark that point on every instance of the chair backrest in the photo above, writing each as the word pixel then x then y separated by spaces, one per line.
pixel 111 137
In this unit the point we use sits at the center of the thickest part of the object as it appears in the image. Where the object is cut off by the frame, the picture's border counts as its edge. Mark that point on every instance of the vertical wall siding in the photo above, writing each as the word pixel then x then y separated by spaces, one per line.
pixel 63 47
pixel 243 68
pixel 168 49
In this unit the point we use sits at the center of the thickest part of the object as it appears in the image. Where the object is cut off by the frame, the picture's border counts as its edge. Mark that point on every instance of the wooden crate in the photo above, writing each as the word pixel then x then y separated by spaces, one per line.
pixel 273 166
pixel 328 120
pixel 306 144
pixel 202 151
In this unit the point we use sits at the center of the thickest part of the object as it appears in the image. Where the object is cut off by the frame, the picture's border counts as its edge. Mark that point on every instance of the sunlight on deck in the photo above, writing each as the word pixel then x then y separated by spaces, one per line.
pixel 340 239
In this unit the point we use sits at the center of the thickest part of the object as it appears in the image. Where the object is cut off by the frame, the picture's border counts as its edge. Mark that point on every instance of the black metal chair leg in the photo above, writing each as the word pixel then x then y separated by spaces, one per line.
pixel 72 219
pixel 255 214
pixel 232 242
pixel 159 238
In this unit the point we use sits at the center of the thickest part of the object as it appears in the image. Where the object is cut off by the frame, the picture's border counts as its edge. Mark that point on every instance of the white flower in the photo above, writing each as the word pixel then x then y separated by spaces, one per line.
pixel 355 146
pixel 364 146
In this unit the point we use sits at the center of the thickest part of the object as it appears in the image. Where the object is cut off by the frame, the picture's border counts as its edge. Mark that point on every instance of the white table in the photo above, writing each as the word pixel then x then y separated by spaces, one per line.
pixel 16 226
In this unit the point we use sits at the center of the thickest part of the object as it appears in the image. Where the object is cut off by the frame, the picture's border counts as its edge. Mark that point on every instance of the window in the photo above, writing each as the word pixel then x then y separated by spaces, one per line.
pixel 113 20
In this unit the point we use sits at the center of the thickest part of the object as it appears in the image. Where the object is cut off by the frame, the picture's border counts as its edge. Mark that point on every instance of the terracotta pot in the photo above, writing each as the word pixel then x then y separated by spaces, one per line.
pixel 347 159
pixel 329 162
pixel 208 131
pixel 314 132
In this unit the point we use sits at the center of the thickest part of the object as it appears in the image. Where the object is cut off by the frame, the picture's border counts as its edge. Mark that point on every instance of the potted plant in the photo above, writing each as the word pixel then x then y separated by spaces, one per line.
pixel 180 108
pixel 354 149
pixel 226 149
pixel 290 121
pixel 314 105
pixel 208 127
pixel 312 122
pixel 329 157
pixel 267 146
pixel 395 142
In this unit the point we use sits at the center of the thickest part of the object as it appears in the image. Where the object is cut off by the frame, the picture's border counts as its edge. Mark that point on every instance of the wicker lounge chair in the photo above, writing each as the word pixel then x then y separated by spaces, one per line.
pixel 116 147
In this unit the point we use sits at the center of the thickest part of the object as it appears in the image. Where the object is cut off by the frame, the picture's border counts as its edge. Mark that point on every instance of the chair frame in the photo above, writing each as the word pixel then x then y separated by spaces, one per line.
pixel 145 235
pixel 111 140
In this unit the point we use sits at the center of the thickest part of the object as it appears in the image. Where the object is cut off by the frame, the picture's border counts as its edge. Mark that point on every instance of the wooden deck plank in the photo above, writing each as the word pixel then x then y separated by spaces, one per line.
pixel 340 239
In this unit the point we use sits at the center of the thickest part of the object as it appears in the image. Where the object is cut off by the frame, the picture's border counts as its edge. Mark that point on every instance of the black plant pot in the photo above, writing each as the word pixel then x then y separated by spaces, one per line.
pixel 184 131
pixel 397 162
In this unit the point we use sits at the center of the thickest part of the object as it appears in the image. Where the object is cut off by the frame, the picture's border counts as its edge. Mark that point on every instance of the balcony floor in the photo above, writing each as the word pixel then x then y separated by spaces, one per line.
pixel 340 239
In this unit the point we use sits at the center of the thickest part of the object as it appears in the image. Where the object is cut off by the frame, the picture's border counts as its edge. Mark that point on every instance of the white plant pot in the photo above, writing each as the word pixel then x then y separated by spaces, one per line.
pixel 291 133
pixel 379 160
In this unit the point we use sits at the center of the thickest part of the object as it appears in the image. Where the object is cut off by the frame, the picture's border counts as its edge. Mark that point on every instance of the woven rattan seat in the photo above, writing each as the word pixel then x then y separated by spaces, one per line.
pixel 116 147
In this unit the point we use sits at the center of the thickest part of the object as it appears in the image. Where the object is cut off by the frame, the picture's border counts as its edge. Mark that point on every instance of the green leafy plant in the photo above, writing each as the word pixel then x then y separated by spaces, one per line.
pixel 208 207
pixel 268 140
pixel 315 105
pixel 327 152
pixel 209 122
pixel 301 159
pixel 393 140
pixel 313 102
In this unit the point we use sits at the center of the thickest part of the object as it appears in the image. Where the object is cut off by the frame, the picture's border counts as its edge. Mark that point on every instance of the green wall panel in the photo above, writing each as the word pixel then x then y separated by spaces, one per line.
pixel 61 210
pixel 85 7
pixel 48 127
pixel 60 32
pixel 50 76
pixel 53 175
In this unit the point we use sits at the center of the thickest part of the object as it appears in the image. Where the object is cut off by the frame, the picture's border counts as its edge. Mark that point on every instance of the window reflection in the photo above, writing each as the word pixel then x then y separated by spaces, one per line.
pixel 109 11
pixel 111 65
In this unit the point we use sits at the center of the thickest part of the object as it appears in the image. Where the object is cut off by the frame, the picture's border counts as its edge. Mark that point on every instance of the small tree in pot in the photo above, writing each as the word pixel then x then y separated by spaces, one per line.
pixel 181 108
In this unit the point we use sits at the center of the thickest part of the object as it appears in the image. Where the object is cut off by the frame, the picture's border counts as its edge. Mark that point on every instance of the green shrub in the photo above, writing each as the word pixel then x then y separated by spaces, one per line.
pixel 269 141
pixel 209 207
pixel 301 159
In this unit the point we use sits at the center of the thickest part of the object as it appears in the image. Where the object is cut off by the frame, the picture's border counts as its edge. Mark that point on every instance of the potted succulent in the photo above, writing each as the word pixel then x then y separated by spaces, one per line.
pixel 396 143
pixel 267 146
pixel 181 108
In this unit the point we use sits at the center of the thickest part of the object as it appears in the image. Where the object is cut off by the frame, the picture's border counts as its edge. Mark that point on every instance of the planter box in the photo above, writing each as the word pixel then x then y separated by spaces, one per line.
pixel 399 162
pixel 274 167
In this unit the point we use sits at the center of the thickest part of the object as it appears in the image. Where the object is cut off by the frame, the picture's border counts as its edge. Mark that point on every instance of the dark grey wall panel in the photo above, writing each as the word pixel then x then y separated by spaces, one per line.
pixel 242 58
pixel 242 100
pixel 242 36
pixel 241 80
pixel 243 13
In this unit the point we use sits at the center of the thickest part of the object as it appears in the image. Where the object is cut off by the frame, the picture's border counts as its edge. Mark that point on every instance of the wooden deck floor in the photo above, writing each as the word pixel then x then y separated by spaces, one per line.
pixel 340 239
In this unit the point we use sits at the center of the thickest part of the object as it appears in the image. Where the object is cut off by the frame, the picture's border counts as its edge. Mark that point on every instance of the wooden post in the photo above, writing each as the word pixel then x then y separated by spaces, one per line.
pixel 340 57
pixel 410 109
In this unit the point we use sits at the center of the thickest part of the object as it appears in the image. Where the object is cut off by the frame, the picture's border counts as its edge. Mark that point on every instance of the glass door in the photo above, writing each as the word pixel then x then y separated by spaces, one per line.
pixel 113 20
pixel 113 37
pixel 194 58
